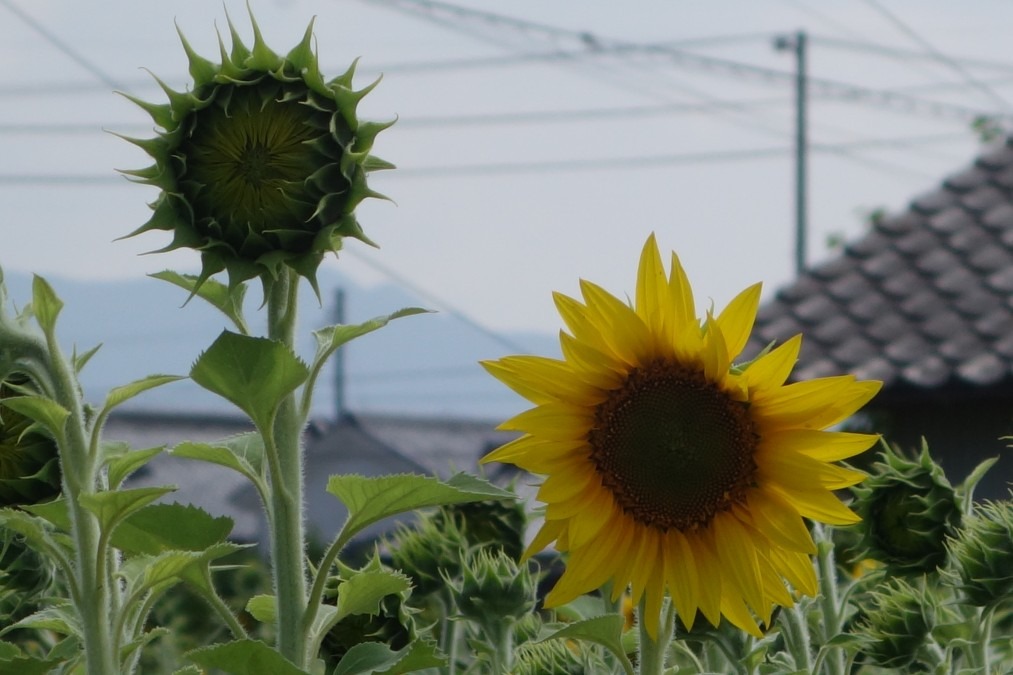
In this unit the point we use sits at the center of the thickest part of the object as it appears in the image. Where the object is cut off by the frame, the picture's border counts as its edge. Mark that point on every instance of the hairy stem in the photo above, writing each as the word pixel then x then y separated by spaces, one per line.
pixel 80 469
pixel 288 541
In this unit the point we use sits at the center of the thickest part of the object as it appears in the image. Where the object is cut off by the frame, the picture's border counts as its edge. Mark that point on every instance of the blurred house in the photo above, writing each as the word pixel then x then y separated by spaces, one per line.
pixel 923 302
pixel 366 445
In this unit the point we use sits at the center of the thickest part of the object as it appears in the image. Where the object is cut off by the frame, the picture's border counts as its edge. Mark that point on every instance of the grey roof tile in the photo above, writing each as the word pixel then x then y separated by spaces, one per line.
pixel 996 158
pixel 924 301
pixel 984 198
pixel 966 180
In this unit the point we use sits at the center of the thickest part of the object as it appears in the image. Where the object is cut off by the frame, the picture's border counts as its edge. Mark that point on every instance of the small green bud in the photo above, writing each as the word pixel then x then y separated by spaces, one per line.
pixel 494 589
pixel 908 510
pixel 29 458
pixel 896 626
pixel 490 523
pixel 983 554
pixel 429 552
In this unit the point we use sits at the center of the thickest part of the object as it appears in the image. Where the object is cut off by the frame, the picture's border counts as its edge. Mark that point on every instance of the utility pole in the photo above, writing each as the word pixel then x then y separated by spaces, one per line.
pixel 797 44
pixel 339 360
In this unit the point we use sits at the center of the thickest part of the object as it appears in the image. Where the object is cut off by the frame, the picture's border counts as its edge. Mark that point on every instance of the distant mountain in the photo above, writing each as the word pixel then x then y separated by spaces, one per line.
pixel 424 365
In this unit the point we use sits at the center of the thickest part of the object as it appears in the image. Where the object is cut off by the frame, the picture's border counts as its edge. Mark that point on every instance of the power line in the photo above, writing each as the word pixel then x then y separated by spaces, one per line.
pixel 480 119
pixel 559 166
pixel 60 44
pixel 429 296
pixel 938 55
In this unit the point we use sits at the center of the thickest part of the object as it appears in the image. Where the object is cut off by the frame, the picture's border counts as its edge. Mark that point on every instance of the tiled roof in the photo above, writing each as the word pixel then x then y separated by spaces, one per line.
pixel 923 302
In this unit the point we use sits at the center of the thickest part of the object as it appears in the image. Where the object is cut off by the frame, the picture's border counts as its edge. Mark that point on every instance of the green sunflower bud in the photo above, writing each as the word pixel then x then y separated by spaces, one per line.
pixel 25 577
pixel 262 163
pixel 29 459
pixel 908 511
pixel 428 553
pixel 494 590
pixel 983 554
pixel 556 657
pixel 898 623
pixel 489 523
pixel 392 624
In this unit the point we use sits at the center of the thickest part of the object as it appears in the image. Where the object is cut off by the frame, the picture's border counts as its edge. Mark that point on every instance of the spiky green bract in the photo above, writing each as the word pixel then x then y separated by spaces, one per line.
pixel 557 657
pixel 898 623
pixel 908 510
pixel 494 589
pixel 29 458
pixel 429 552
pixel 489 523
pixel 983 554
pixel 262 163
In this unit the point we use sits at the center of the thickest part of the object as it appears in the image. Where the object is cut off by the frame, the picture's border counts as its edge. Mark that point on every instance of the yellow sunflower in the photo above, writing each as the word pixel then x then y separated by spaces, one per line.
pixel 669 468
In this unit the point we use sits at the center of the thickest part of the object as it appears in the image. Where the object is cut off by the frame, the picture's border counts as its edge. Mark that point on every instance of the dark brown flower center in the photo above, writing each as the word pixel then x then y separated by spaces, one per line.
pixel 673 447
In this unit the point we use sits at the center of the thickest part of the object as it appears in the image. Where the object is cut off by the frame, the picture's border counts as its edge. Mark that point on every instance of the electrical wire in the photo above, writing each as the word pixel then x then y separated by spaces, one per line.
pixel 907 30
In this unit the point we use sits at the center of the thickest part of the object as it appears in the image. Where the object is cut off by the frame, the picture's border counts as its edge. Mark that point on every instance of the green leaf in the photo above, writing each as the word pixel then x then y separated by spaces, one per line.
pixel 376 658
pixel 144 573
pixel 330 338
pixel 154 528
pixel 604 630
pixel 253 373
pixel 188 670
pixel 372 499
pixel 27 665
pixel 244 657
pixel 35 529
pixel 965 490
pixel 226 300
pixel 124 393
pixel 45 304
pixel 112 507
pixel 81 360
pixel 362 593
pixel 45 411
pixel 243 453
pixel 8 650
pixel 263 608
pixel 123 463
pixel 59 618
pixel 161 527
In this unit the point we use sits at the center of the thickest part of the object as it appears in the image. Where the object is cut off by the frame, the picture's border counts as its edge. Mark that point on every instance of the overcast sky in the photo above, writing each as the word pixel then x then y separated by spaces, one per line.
pixel 680 122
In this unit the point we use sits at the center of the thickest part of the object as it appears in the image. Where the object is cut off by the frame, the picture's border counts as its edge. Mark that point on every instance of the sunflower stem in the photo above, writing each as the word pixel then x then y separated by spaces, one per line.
pixel 80 469
pixel 653 651
pixel 288 543
pixel 796 637
pixel 829 601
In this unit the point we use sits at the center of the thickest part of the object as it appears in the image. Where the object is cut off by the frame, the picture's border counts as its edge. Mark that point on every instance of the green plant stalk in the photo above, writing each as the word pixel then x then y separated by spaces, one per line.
pixel 288 540
pixel 652 652
pixel 503 636
pixel 830 604
pixel 796 637
pixel 79 478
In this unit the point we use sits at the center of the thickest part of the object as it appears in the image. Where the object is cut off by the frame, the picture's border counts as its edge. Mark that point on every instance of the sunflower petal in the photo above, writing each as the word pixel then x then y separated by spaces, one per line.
pixel 817 504
pixel 680 572
pixel 628 335
pixel 768 372
pixel 780 522
pixel 736 319
pixel 825 446
pixel 652 287
pixel 737 554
